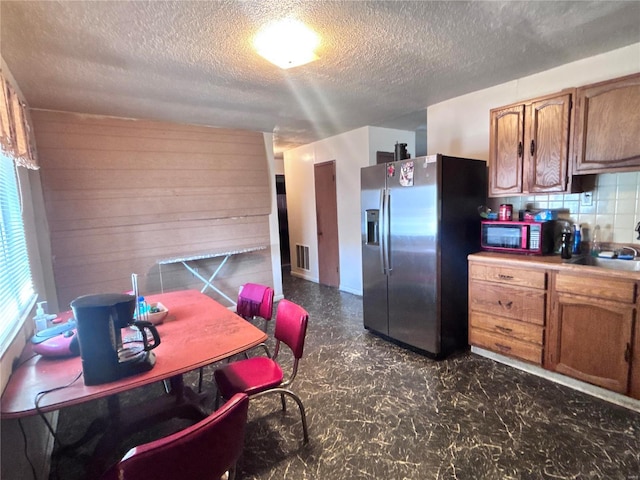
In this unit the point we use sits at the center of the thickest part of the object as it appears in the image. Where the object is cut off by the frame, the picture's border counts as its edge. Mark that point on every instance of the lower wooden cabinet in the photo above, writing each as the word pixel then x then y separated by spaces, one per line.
pixel 507 310
pixel 508 337
pixel 590 339
pixel 591 328
pixel 634 387
pixel 581 325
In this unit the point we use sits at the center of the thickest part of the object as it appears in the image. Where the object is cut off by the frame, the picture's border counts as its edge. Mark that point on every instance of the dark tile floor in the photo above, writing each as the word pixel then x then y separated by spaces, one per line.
pixel 378 411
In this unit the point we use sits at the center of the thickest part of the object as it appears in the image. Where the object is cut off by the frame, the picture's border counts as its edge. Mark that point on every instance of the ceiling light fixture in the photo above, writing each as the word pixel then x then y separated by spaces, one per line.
pixel 287 43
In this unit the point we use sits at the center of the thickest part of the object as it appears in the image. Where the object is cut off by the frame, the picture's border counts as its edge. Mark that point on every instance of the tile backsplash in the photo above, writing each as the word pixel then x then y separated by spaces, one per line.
pixel 615 207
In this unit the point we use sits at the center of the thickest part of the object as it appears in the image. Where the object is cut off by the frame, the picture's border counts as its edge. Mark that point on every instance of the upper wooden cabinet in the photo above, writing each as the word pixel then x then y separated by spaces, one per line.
pixel 506 146
pixel 607 134
pixel 529 146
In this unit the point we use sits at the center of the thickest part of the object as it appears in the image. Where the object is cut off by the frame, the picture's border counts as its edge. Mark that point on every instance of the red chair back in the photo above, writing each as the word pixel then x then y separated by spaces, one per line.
pixel 266 307
pixel 204 451
pixel 255 300
pixel 291 326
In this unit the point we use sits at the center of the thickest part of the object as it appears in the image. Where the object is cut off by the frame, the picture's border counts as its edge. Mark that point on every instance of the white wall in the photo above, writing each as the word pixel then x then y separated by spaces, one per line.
pixel 460 127
pixel 351 151
pixel 278 164
pixel 274 232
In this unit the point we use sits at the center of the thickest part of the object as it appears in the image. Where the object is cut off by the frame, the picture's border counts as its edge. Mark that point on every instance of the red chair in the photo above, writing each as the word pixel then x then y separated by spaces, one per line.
pixel 255 300
pixel 204 451
pixel 258 376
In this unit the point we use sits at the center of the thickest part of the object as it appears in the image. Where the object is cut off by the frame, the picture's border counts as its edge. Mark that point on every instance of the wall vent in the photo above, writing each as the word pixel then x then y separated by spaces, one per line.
pixel 302 257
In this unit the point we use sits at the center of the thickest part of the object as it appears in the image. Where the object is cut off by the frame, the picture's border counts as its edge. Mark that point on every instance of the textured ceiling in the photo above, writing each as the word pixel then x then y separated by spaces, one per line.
pixel 381 62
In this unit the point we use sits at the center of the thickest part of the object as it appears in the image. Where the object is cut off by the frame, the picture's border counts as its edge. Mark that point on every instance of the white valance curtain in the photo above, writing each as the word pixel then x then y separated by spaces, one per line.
pixel 15 131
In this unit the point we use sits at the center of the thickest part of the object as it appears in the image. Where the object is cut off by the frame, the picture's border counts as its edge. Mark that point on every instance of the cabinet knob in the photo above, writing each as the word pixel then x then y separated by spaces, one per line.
pixel 519 149
pixel 533 147
pixel 505 277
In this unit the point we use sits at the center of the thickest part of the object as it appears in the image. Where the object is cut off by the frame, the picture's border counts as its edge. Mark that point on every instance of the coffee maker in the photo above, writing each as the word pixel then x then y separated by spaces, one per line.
pixel 100 320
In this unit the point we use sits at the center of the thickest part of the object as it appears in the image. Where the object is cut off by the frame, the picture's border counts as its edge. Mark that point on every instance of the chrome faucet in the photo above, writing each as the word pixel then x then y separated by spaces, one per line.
pixel 635 252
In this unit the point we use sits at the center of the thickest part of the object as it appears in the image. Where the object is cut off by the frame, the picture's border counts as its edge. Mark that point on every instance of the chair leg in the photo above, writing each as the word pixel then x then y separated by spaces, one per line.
pixel 303 416
pixel 201 373
pixel 231 473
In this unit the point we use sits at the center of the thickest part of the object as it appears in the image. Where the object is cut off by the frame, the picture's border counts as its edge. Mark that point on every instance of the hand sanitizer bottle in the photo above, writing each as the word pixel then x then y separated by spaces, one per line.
pixel 40 318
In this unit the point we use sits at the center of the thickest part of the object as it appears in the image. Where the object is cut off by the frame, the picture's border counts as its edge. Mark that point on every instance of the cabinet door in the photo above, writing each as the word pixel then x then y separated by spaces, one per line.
pixel 547 144
pixel 590 339
pixel 506 150
pixel 634 387
pixel 608 126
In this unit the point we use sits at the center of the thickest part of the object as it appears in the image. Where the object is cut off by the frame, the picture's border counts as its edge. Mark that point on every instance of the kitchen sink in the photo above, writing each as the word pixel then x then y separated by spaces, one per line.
pixel 610 263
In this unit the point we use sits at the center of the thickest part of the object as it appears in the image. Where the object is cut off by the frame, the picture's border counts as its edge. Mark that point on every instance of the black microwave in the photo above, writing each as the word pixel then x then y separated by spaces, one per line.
pixel 534 238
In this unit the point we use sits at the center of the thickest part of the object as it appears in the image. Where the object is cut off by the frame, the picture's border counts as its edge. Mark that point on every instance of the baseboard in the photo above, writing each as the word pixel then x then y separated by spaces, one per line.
pixel 351 290
pixel 316 280
pixel 304 276
pixel 601 393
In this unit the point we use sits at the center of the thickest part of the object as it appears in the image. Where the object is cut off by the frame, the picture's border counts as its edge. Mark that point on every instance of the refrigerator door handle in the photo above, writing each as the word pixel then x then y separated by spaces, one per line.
pixel 382 232
pixel 386 234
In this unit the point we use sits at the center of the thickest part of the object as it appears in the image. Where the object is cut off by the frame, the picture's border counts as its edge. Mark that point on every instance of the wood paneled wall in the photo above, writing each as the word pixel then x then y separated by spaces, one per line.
pixel 122 194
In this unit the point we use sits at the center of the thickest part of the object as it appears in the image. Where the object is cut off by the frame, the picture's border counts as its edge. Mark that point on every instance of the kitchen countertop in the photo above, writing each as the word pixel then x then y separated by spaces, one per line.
pixel 551 262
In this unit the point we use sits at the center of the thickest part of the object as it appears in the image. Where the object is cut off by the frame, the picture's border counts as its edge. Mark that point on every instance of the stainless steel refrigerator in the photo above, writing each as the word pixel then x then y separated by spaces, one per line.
pixel 419 222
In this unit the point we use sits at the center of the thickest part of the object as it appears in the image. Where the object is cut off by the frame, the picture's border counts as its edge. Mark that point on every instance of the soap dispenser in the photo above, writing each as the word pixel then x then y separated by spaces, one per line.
pixel 40 318
pixel 595 242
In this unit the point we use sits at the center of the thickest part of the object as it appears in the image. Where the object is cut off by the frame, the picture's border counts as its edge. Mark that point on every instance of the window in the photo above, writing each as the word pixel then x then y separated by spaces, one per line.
pixel 16 287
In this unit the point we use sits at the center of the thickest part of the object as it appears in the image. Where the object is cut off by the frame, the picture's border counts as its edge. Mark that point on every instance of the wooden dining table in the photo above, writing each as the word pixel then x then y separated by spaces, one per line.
pixel 197 331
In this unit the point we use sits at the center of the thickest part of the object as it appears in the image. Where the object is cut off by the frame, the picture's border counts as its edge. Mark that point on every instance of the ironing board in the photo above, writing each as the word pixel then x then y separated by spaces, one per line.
pixel 208 283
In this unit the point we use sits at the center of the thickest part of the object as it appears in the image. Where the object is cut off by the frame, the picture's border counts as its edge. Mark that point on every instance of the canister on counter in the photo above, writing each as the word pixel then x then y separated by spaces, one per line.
pixel 505 212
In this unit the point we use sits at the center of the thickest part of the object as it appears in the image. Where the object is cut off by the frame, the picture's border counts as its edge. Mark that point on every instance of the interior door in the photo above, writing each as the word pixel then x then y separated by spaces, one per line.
pixel 327 223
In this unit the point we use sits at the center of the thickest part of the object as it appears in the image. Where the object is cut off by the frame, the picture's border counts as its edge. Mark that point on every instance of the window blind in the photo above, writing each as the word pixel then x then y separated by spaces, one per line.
pixel 16 287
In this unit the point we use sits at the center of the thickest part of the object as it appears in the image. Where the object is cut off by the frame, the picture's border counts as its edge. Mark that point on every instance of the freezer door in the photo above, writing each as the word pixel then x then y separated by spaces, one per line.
pixel 374 280
pixel 412 280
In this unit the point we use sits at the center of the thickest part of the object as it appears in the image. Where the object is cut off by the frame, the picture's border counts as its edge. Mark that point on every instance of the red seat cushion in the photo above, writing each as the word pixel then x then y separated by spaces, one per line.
pixel 250 376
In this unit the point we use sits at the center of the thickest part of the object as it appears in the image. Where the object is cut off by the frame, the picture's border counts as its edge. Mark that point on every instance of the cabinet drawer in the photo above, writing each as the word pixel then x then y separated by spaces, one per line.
pixel 598 287
pixel 508 275
pixel 506 345
pixel 526 332
pixel 524 304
